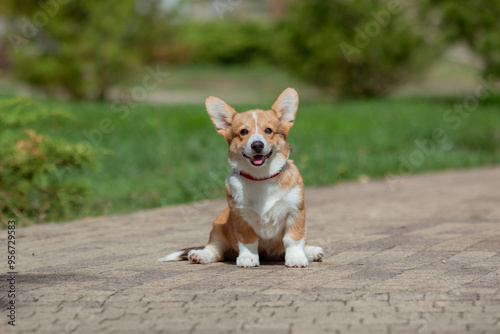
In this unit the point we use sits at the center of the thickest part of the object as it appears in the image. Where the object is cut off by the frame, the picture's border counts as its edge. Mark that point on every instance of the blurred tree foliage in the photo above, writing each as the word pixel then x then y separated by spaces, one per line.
pixel 348 47
pixel 354 48
pixel 227 42
pixel 81 47
pixel 475 22
pixel 35 169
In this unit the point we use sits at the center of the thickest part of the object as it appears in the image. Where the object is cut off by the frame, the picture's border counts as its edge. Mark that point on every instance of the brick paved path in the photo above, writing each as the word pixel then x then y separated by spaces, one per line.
pixel 424 258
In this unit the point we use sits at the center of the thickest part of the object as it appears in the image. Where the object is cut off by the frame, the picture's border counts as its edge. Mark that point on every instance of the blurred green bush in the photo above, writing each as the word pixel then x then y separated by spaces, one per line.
pixel 227 42
pixel 35 169
pixel 81 47
pixel 353 48
pixel 477 23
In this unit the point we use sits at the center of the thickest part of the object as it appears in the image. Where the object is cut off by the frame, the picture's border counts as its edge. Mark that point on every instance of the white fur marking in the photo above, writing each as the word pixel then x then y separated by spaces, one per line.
pixel 256 137
pixel 295 255
pixel 248 255
pixel 175 256
pixel 264 205
pixel 254 114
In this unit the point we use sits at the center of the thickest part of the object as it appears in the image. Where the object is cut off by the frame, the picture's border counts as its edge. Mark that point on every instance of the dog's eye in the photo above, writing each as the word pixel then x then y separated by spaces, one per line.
pixel 244 132
pixel 268 131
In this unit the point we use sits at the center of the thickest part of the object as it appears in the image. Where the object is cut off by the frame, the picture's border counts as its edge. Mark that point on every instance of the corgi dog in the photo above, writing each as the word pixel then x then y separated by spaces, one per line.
pixel 265 191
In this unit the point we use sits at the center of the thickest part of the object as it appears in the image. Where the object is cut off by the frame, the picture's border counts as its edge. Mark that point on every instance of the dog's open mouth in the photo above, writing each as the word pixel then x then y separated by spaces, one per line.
pixel 258 159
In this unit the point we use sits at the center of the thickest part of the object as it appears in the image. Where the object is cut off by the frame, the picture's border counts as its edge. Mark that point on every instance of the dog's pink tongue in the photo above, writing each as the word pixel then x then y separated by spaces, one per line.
pixel 258 159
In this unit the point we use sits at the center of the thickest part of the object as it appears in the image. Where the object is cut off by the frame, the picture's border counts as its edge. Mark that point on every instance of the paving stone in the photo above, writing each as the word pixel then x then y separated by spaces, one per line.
pixel 424 258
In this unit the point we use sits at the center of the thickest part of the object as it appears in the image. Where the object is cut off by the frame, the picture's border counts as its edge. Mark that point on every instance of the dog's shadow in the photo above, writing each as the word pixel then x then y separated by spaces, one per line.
pixel 265 259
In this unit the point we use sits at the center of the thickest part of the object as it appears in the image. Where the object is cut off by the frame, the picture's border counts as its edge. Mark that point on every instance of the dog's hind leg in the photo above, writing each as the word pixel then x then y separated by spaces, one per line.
pixel 212 252
pixel 203 254
pixel 217 243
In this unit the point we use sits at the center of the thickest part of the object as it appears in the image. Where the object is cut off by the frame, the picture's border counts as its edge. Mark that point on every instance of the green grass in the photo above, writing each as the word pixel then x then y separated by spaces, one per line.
pixel 164 155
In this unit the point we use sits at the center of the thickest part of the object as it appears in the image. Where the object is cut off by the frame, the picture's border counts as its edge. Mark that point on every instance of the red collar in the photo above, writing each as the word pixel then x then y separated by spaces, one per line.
pixel 250 177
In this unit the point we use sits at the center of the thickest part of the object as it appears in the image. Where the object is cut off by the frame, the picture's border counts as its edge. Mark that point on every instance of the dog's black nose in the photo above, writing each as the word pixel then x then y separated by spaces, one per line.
pixel 257 146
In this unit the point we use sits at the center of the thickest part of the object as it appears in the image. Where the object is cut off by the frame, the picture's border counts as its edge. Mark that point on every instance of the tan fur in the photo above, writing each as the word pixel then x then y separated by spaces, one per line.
pixel 230 229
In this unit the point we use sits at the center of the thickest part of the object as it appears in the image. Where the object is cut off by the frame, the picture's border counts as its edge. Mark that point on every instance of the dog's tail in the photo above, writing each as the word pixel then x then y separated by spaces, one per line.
pixel 179 255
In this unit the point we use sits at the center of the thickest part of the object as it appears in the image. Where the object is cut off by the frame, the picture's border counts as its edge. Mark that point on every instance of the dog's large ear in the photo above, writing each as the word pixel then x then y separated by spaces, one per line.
pixel 285 108
pixel 221 115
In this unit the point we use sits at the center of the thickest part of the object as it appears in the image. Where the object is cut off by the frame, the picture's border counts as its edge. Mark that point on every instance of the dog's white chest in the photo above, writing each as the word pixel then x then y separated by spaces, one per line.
pixel 264 205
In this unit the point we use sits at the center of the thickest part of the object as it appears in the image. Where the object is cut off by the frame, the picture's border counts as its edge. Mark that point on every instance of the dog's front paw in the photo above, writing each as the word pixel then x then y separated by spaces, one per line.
pixel 203 256
pixel 296 260
pixel 314 253
pixel 247 260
